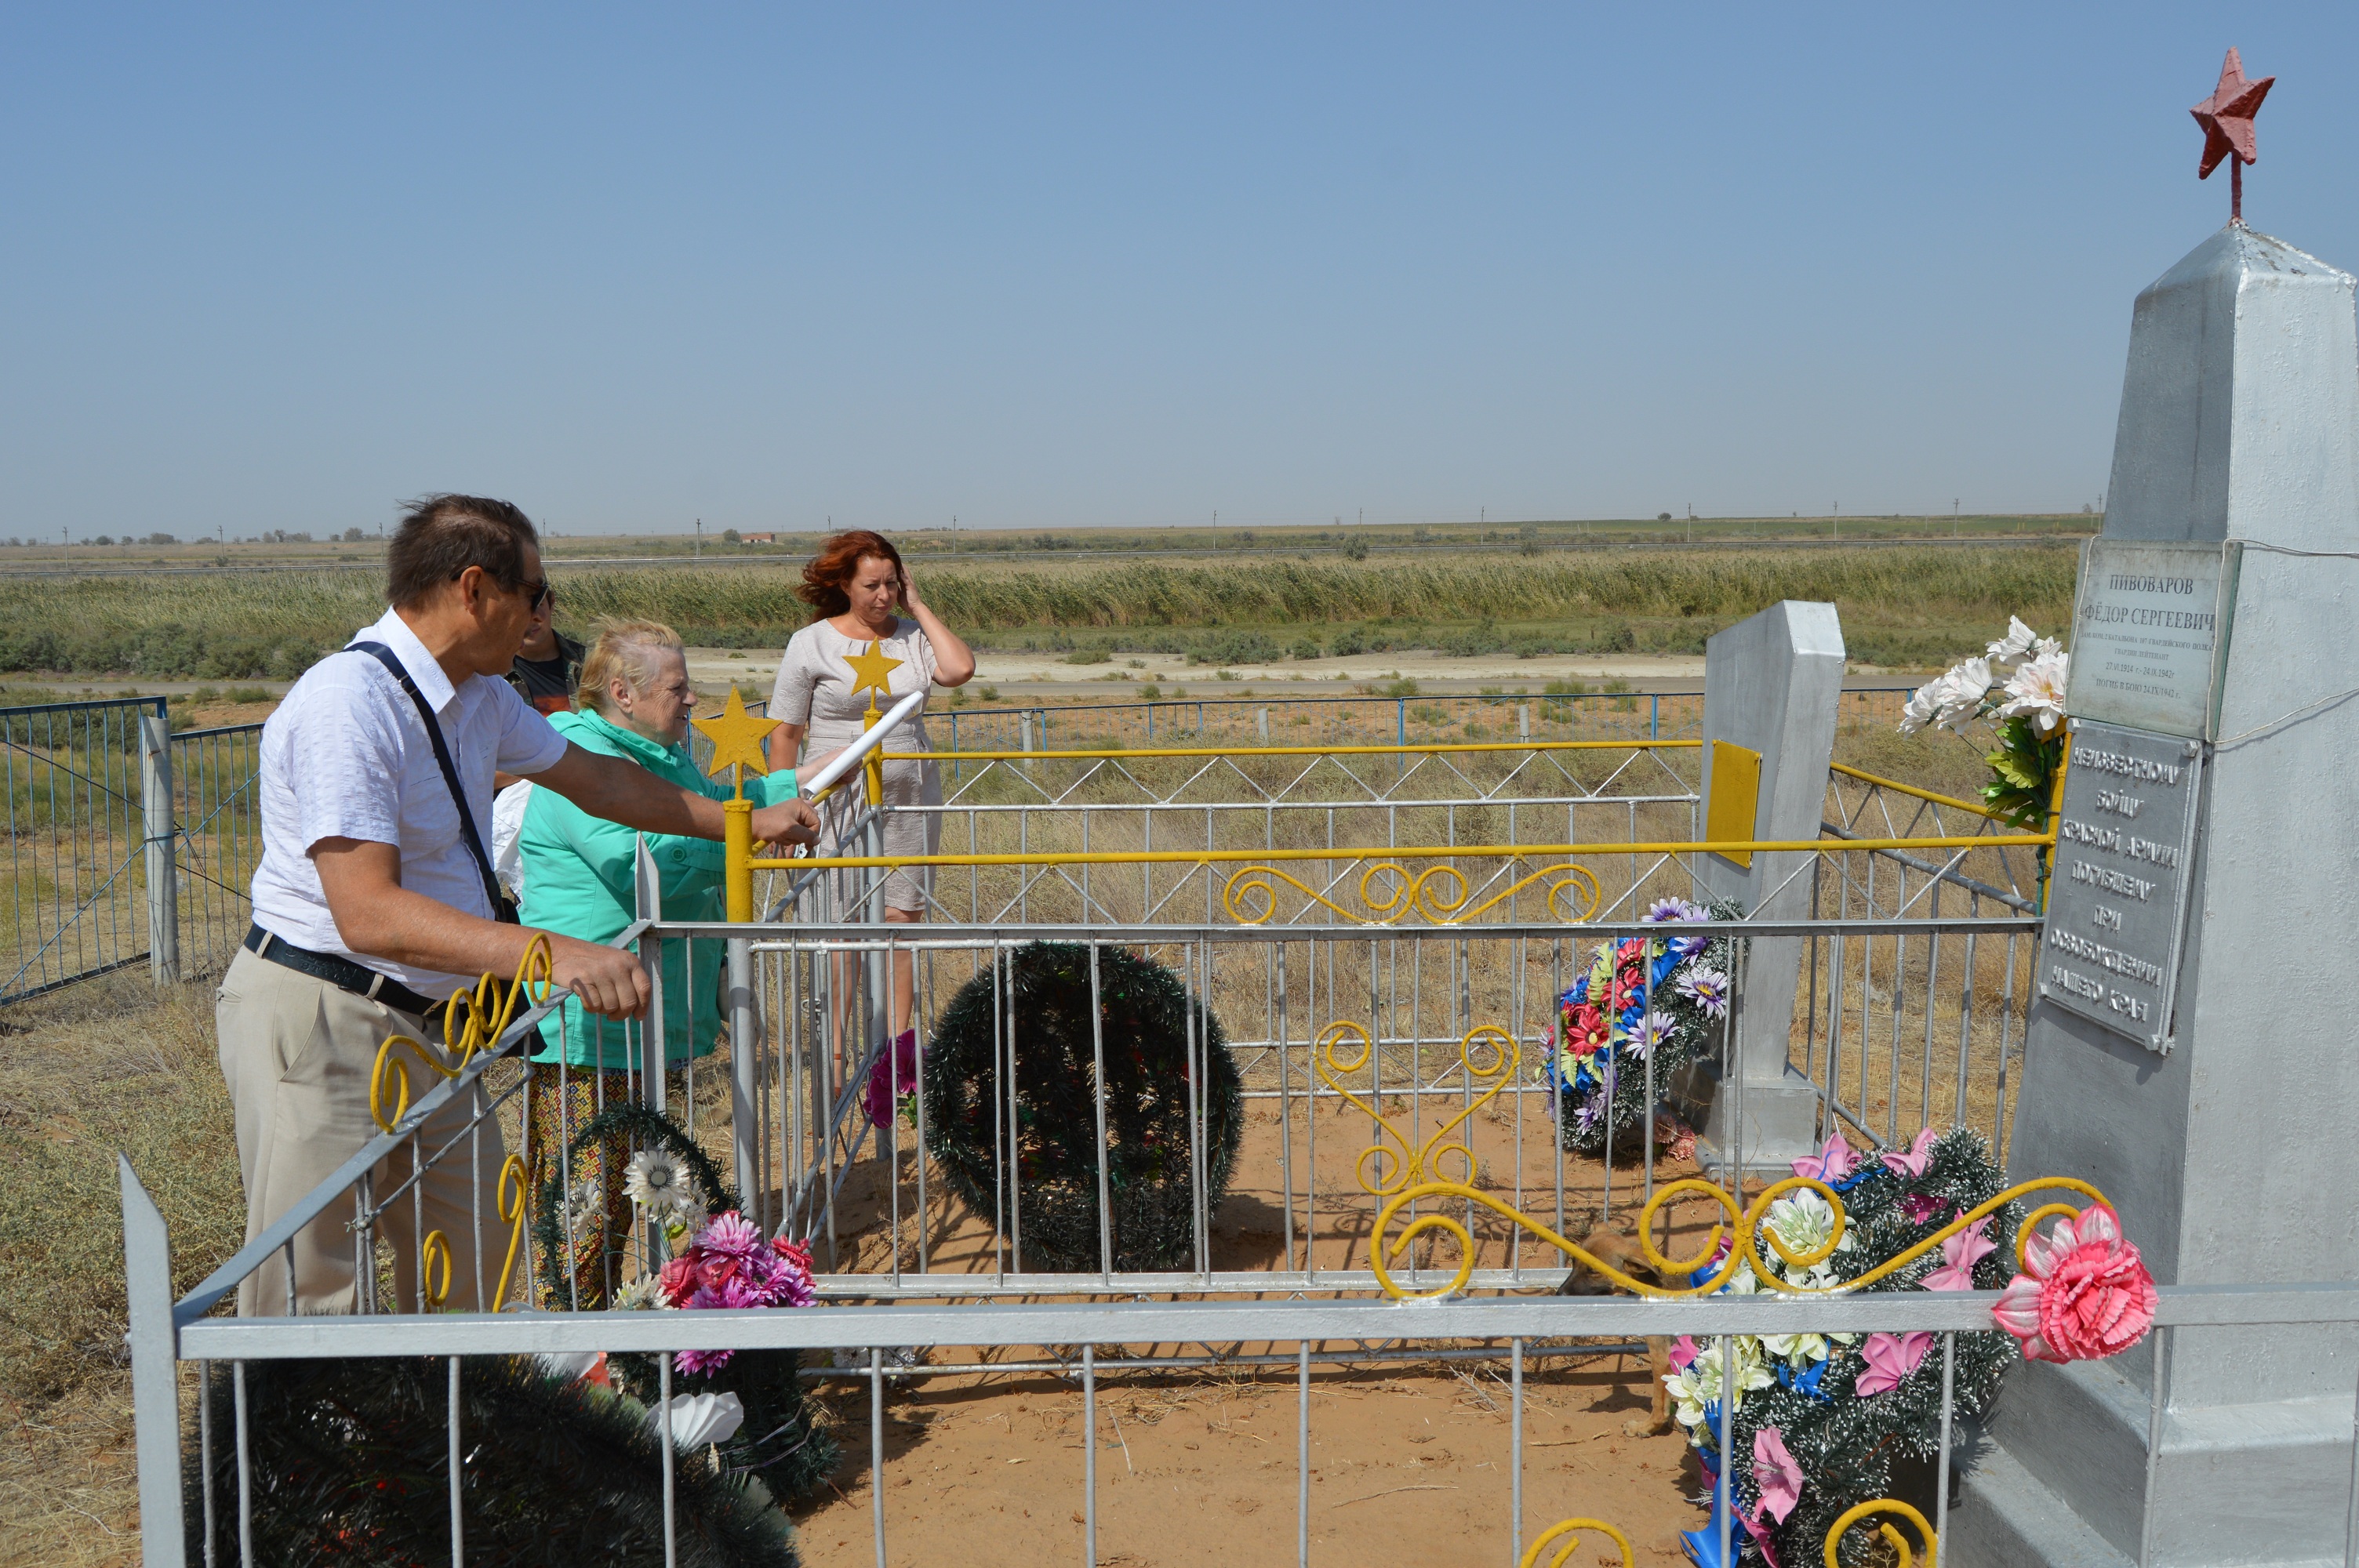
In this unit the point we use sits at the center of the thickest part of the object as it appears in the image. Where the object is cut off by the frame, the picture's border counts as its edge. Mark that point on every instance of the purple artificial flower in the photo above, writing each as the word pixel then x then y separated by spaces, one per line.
pixel 1649 1032
pixel 894 1074
pixel 1708 988
pixel 1674 909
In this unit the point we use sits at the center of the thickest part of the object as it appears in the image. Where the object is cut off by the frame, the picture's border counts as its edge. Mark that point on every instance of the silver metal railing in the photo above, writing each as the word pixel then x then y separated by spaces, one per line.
pixel 1067 1342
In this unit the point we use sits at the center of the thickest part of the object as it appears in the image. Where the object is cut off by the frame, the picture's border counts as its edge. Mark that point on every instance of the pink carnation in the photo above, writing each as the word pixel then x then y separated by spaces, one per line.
pixel 2088 1295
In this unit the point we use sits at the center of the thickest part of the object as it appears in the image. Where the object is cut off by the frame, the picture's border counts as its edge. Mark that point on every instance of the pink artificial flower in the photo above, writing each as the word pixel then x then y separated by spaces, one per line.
pixel 692 1362
pixel 1830 1165
pixel 1777 1475
pixel 1960 1253
pixel 1918 1207
pixel 732 1234
pixel 1912 1164
pixel 1682 1353
pixel 793 1253
pixel 1890 1357
pixel 2088 1295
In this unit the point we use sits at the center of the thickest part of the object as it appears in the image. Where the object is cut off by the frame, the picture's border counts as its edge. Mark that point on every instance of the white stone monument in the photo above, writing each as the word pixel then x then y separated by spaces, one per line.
pixel 1772 686
pixel 2194 1045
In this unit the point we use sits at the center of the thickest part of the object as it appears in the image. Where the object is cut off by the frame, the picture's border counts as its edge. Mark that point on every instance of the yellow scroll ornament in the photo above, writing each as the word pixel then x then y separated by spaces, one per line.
pixel 1439 893
pixel 1415 1165
pixel 437 1245
pixel 471 1020
pixel 1892 1537
pixel 1402 1176
pixel 1572 1527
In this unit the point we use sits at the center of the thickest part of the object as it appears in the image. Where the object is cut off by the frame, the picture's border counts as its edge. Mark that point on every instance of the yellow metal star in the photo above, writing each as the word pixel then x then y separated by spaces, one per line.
pixel 874 669
pixel 737 737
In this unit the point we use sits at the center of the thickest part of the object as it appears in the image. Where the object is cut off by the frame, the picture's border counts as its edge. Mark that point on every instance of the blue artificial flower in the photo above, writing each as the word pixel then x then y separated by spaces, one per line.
pixel 1807 1381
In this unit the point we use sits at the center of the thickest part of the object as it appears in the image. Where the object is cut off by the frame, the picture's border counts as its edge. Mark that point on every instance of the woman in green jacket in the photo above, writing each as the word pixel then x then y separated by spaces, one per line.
pixel 578 878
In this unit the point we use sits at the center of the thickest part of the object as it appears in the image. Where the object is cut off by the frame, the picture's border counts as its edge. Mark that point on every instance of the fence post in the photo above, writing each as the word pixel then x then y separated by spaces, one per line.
pixel 646 888
pixel 1261 718
pixel 163 861
pixel 745 1044
pixel 1523 718
pixel 1655 715
pixel 155 1374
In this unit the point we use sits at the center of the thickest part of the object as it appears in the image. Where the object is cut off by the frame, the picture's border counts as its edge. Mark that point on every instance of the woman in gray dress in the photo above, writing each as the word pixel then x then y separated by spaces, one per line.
pixel 857 652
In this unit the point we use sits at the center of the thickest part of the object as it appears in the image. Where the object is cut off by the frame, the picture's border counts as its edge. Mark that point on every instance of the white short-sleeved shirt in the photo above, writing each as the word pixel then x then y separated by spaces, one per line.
pixel 346 756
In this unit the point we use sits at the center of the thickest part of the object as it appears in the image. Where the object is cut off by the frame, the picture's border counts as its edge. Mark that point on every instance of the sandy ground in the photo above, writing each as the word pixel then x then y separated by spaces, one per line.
pixel 1407 1462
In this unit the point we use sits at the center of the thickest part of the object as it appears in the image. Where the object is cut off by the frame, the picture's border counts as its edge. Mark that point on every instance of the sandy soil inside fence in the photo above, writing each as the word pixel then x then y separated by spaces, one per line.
pixel 1409 1468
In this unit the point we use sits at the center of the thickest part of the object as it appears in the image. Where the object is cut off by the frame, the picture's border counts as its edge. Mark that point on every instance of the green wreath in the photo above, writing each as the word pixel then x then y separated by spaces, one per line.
pixel 348 1461
pixel 1145 1020
pixel 781 1443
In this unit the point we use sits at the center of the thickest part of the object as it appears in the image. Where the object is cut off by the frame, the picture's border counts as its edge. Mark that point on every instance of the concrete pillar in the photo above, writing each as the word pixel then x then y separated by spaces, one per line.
pixel 163 862
pixel 2221 1132
pixel 1771 686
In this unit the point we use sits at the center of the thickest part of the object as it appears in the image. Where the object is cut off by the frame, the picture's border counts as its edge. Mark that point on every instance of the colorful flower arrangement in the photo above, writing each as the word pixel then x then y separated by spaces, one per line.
pixel 1658 999
pixel 1817 1421
pixel 2018 685
pixel 692 1250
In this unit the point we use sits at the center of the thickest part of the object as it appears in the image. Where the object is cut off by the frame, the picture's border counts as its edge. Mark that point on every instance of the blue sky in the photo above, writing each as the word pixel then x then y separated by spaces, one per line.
pixel 1105 265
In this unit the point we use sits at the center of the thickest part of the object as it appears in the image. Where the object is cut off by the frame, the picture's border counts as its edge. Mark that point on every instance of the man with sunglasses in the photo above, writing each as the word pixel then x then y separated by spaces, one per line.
pixel 548 668
pixel 374 901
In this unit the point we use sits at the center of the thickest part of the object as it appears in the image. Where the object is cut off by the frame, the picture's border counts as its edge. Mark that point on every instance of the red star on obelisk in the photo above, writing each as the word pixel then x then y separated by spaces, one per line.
pixel 2227 120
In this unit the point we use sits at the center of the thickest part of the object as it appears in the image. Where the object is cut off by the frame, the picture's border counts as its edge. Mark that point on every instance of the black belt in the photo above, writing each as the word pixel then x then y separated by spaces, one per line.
pixel 341 973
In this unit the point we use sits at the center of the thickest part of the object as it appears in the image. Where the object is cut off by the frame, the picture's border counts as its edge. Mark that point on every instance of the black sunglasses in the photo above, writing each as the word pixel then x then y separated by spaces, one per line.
pixel 542 595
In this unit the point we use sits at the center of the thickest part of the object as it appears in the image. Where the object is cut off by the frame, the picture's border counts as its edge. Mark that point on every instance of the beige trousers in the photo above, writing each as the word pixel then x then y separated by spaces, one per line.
pixel 298 1054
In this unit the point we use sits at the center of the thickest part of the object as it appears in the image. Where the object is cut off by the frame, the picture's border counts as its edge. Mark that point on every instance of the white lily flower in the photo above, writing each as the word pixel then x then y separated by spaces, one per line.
pixel 2036 691
pixel 1698 1383
pixel 1796 1350
pixel 1923 703
pixel 2018 641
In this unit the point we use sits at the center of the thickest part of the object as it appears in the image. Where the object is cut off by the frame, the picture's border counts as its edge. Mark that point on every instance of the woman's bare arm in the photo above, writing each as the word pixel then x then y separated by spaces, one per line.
pixel 953 660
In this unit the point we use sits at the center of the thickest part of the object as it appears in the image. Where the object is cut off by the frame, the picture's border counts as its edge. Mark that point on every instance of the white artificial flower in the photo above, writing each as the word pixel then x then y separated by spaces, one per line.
pixel 2036 691
pixel 1698 1383
pixel 642 1295
pixel 2046 647
pixel 1922 706
pixel 2016 642
pixel 698 1420
pixel 1805 1222
pixel 659 1183
pixel 569 1365
pixel 1796 1350
pixel 1959 694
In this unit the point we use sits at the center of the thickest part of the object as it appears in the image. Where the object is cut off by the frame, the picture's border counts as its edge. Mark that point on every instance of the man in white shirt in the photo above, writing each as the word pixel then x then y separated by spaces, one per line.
pixel 374 901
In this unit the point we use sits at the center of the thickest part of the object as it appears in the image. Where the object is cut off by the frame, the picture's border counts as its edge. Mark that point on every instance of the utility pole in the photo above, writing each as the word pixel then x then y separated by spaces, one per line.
pixel 700 538
pixel 1838 519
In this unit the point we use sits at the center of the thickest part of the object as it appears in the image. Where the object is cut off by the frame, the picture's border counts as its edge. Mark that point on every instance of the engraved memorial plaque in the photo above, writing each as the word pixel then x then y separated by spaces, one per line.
pixel 2117 891
pixel 2150 635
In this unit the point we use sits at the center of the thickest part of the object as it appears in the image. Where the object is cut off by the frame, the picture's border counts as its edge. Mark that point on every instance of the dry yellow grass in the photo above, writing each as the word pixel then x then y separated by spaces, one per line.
pixel 111 1064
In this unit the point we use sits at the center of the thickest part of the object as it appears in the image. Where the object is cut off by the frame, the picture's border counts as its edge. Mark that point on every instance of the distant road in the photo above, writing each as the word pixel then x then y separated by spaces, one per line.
pixel 1558 545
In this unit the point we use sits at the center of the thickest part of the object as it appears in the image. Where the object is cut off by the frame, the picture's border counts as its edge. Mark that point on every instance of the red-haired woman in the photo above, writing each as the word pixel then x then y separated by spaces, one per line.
pixel 851 586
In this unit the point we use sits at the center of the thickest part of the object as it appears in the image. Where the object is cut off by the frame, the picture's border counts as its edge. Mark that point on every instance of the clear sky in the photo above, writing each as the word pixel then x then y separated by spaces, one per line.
pixel 629 266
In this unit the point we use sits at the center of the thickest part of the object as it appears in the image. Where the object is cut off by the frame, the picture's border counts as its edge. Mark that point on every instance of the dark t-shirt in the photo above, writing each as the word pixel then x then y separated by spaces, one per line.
pixel 548 684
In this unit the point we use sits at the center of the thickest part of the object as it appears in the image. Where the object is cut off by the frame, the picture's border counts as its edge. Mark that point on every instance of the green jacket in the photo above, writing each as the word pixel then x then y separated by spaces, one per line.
pixel 577 882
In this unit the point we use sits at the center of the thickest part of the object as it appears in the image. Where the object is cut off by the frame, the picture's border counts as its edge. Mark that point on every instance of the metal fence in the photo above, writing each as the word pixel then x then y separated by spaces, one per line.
pixel 103 879
pixel 1319 1321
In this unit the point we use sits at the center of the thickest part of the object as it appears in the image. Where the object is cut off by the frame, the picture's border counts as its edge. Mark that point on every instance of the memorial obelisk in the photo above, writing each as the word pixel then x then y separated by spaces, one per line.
pixel 2192 1046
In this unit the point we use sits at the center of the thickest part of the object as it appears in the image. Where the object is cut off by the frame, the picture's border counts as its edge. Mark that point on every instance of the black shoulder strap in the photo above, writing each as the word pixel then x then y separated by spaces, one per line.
pixel 502 909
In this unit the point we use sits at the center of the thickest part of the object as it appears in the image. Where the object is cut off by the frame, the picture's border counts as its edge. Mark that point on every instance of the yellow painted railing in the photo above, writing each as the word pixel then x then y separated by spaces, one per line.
pixel 742 863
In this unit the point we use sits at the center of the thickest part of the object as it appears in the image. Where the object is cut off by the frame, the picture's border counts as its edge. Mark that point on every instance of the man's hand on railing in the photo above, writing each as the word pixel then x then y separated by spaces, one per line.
pixel 788 822
pixel 609 981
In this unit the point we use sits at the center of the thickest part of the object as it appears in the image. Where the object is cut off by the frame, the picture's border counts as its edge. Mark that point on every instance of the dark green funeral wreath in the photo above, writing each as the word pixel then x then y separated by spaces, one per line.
pixel 1049 1176
pixel 349 1462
